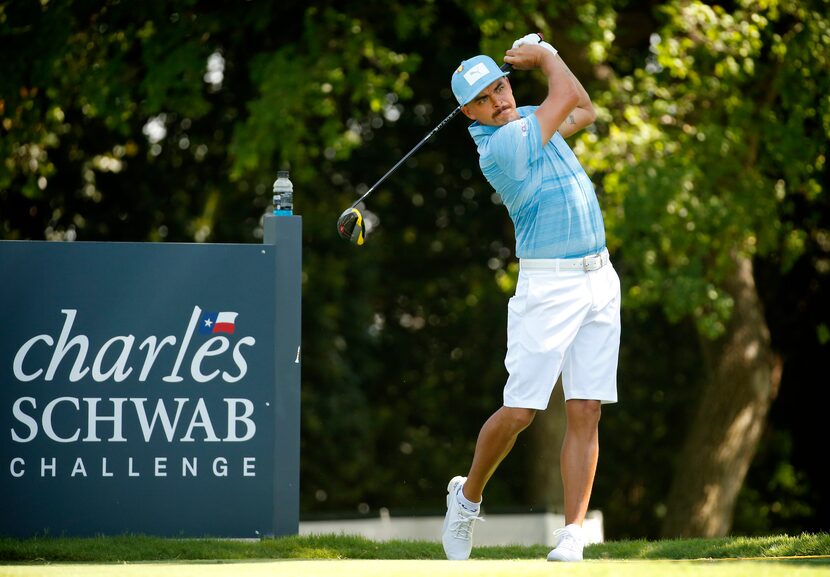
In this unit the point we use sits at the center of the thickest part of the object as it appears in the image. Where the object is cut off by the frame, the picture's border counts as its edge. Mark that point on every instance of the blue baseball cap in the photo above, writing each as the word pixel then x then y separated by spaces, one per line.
pixel 473 76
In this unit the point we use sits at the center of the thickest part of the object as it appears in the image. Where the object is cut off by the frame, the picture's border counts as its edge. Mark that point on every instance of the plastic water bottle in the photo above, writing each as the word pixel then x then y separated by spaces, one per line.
pixel 283 195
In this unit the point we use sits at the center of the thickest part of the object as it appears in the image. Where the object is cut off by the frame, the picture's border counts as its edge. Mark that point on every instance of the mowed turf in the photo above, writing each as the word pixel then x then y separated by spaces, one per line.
pixel 143 548
pixel 410 568
pixel 350 556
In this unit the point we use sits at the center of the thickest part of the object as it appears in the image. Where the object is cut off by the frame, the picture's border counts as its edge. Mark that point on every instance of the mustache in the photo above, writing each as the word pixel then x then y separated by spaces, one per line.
pixel 499 111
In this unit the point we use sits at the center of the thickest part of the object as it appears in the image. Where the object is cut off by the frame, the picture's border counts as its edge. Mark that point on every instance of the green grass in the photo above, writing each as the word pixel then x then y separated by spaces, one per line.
pixel 139 548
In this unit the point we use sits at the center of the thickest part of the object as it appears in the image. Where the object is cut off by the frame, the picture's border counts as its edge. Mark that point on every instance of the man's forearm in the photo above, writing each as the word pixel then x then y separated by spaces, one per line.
pixel 578 119
pixel 561 82
pixel 583 113
pixel 563 96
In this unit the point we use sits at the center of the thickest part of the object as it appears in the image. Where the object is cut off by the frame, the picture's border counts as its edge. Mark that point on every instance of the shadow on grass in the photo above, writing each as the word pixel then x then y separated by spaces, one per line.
pixel 770 547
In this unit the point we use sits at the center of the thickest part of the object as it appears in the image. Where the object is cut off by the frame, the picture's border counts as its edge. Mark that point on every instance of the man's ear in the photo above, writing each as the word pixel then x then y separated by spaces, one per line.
pixel 466 110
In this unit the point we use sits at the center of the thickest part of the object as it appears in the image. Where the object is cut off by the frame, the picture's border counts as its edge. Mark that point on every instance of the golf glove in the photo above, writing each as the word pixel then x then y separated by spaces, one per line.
pixel 535 39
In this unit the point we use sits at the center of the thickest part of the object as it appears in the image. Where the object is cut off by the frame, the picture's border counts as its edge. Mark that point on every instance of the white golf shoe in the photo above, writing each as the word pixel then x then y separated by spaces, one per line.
pixel 569 544
pixel 458 524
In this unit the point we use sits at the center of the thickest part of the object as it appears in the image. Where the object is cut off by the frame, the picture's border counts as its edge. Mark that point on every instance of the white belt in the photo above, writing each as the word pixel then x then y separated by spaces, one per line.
pixel 585 263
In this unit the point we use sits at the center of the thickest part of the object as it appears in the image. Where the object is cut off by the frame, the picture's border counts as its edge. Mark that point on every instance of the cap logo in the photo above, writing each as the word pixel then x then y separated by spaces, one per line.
pixel 475 73
pixel 459 69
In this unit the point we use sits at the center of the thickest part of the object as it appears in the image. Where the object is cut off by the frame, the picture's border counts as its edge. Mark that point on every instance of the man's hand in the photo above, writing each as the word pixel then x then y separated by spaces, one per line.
pixel 527 56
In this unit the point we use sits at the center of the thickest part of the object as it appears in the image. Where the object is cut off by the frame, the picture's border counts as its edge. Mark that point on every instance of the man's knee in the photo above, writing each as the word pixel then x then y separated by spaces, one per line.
pixel 584 413
pixel 519 418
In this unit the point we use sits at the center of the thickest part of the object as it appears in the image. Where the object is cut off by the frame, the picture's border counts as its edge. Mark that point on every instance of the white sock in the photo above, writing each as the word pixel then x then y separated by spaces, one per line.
pixel 466 504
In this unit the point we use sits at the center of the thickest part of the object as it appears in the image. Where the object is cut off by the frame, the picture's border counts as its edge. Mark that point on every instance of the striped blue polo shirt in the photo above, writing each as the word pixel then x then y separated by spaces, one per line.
pixel 551 200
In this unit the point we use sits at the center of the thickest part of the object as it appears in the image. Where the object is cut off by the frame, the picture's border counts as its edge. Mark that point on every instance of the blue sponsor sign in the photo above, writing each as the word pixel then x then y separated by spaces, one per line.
pixel 150 388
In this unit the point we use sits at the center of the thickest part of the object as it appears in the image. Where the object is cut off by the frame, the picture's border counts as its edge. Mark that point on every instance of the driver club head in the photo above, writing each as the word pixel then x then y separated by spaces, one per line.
pixel 350 226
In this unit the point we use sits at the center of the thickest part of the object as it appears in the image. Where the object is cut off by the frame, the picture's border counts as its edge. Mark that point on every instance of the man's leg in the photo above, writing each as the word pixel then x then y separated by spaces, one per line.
pixel 497 437
pixel 495 440
pixel 578 462
pixel 578 459
pixel 589 378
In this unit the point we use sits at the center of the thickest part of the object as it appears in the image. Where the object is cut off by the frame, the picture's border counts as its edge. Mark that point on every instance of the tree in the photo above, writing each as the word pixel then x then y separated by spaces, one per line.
pixel 711 149
pixel 167 121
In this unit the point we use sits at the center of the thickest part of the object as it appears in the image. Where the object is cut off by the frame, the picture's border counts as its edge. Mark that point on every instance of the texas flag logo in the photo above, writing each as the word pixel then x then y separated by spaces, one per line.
pixel 212 323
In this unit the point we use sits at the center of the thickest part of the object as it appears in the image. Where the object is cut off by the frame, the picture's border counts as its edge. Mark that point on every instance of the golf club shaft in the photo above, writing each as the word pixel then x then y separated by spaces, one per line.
pixel 505 67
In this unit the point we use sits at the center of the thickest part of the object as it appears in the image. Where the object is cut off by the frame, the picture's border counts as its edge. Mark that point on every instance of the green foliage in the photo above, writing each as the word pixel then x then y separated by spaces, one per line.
pixel 778 494
pixel 706 150
pixel 312 94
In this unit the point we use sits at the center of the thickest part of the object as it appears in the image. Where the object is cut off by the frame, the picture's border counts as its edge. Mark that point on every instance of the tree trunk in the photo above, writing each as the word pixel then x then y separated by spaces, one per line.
pixel 743 376
pixel 546 435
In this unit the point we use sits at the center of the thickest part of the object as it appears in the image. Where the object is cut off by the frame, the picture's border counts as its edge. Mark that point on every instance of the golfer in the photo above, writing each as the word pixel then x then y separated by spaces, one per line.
pixel 565 316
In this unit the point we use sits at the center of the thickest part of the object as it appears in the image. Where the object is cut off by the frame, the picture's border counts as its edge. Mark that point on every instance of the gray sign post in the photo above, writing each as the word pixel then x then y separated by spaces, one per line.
pixel 151 387
pixel 285 234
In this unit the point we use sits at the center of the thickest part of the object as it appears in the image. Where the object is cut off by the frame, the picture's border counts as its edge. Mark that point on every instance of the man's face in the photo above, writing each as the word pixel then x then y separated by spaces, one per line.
pixel 494 106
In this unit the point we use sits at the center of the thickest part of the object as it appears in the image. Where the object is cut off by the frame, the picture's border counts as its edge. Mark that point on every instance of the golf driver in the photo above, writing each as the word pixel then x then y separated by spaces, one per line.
pixel 350 224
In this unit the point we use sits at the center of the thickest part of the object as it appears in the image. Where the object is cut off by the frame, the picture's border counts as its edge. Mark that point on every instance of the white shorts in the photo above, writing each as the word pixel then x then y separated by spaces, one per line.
pixel 563 321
